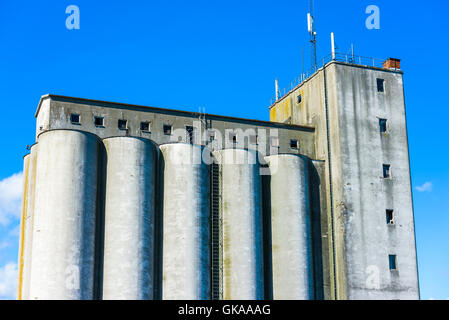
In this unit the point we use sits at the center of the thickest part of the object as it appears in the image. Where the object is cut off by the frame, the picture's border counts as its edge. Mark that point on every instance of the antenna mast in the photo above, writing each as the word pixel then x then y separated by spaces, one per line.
pixel 312 32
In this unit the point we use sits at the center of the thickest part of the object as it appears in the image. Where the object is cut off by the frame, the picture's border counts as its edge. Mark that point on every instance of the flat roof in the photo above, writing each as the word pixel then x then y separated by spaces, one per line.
pixel 166 111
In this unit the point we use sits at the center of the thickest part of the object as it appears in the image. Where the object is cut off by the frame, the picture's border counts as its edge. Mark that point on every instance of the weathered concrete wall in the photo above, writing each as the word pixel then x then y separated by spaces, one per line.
pixel 65 214
pixel 292 256
pixel 129 218
pixel 362 194
pixel 309 112
pixel 184 253
pixel 55 114
pixel 241 206
pixel 343 104
pixel 186 223
pixel 312 111
pixel 43 117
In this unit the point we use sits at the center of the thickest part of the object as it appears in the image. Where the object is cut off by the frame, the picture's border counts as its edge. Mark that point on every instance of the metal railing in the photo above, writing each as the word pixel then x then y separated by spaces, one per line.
pixel 340 57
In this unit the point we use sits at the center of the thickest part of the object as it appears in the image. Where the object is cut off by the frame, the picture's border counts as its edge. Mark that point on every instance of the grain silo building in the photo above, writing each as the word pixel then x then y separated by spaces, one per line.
pixel 133 202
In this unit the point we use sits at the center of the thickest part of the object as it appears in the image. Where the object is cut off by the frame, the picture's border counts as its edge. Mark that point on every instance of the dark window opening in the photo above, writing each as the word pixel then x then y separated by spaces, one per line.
pixel 390 216
pixel 386 171
pixel 189 134
pixel 211 135
pixel 122 124
pixel 75 118
pixel 233 137
pixel 145 126
pixel 253 139
pixel 380 85
pixel 167 129
pixel 299 99
pixel 393 261
pixel 99 121
pixel 383 125
pixel 294 144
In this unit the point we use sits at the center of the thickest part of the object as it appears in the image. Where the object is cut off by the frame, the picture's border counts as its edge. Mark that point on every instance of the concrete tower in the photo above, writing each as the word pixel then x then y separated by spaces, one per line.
pixel 359 115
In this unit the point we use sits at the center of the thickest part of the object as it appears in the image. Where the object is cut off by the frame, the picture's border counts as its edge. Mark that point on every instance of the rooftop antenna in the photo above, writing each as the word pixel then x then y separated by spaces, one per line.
pixel 312 32
pixel 302 63
pixel 202 116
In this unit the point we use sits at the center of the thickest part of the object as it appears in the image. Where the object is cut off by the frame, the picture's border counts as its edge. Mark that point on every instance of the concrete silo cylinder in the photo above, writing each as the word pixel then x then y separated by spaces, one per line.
pixel 186 225
pixel 27 223
pixel 241 212
pixel 65 216
pixel 290 228
pixel 129 218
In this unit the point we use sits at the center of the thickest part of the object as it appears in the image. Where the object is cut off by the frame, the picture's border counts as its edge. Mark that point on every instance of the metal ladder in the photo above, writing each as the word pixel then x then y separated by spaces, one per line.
pixel 215 233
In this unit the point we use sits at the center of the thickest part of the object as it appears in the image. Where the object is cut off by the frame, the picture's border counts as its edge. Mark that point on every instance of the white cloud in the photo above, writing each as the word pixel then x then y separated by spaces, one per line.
pixel 4 244
pixel 8 281
pixel 15 232
pixel 427 186
pixel 10 198
pixel 11 238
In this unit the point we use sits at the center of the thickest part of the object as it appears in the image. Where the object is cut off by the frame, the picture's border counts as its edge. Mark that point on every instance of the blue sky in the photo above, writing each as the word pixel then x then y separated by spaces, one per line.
pixel 221 56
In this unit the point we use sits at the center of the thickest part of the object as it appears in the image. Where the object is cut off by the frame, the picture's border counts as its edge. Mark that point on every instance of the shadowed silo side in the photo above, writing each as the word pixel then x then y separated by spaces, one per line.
pixel 65 215
pixel 241 207
pixel 291 228
pixel 23 225
pixel 26 233
pixel 129 218
pixel 186 223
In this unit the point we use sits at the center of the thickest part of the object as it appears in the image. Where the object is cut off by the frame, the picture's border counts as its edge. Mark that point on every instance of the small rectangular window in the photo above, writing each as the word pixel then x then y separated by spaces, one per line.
pixel 211 135
pixel 299 99
pixel 253 139
pixel 75 118
pixel 145 126
pixel 380 85
pixel 167 129
pixel 386 171
pixel 99 121
pixel 390 216
pixel 122 124
pixel 383 125
pixel 294 144
pixel 232 137
pixel 189 134
pixel 393 260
